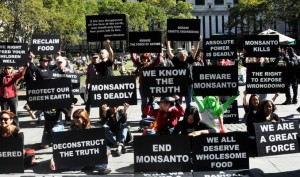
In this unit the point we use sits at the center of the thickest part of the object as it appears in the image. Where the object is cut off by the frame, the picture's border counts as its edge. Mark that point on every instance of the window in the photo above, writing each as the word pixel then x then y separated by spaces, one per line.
pixel 235 1
pixel 219 2
pixel 200 2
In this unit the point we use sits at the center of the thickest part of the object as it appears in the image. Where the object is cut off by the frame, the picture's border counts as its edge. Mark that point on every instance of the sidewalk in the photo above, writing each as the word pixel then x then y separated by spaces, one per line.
pixel 271 166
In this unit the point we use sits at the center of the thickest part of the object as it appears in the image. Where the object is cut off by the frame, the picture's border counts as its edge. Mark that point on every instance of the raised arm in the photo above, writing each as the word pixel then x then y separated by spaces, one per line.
pixel 199 103
pixel 196 48
pixel 245 98
pixel 170 53
pixel 110 50
pixel 230 101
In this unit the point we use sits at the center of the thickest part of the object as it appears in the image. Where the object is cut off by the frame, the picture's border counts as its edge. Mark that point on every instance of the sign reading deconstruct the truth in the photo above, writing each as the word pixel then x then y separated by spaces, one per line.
pixel 165 81
pixel 232 114
pixel 219 48
pixel 215 80
pixel 11 154
pixel 276 138
pixel 48 94
pixel 75 80
pixel 162 153
pixel 267 79
pixel 113 90
pixel 261 45
pixel 215 152
pixel 102 27
pixel 183 29
pixel 13 54
pixel 79 148
pixel 45 44
pixel 145 42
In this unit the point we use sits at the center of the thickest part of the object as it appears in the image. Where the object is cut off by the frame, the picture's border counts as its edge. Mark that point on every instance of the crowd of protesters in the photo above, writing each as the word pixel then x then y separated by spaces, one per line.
pixel 164 117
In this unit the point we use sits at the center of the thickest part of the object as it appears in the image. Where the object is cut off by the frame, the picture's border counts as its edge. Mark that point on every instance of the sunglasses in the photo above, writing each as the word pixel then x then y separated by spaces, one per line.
pixel 77 117
pixel 3 119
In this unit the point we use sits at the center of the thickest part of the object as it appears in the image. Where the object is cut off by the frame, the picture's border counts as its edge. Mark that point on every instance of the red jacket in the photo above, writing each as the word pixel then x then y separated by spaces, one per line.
pixel 8 88
pixel 165 118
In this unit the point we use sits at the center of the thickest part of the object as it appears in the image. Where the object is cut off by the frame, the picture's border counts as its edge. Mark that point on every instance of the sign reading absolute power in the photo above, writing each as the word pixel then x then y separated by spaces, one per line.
pixel 45 44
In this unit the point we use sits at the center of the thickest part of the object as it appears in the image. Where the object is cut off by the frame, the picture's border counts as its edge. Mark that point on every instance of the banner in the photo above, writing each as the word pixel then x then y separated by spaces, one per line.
pixel 267 79
pixel 276 138
pixel 13 54
pixel 48 94
pixel 79 148
pixel 102 27
pixel 45 44
pixel 261 45
pixel 183 29
pixel 215 80
pixel 232 114
pixel 216 152
pixel 11 154
pixel 166 174
pixel 75 80
pixel 162 153
pixel 229 173
pixel 165 81
pixel 145 42
pixel 115 90
pixel 220 48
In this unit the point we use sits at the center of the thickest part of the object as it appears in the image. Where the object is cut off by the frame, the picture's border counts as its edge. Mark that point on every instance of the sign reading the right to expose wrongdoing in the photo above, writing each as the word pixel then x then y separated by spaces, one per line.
pixel 183 29
pixel 216 152
pixel 45 44
pixel 13 54
pixel 267 79
pixel 142 42
pixel 102 27
pixel 49 94
pixel 219 48
pixel 277 138
pixel 162 154
pixel 216 80
pixel 261 45
pixel 165 81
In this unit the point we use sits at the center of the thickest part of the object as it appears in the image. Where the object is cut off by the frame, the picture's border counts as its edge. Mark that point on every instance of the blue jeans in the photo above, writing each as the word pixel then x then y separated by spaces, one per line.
pixel 117 138
pixel 49 128
pixel 188 96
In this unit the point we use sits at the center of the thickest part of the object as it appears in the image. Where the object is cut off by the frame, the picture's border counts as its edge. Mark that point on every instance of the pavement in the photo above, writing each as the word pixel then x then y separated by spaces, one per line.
pixel 269 166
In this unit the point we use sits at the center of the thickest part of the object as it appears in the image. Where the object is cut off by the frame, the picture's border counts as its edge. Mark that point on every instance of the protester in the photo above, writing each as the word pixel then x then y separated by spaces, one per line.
pixel 145 62
pixel 81 121
pixel 199 60
pixel 8 90
pixel 114 120
pixel 7 128
pixel 185 61
pixel 191 124
pixel 291 60
pixel 104 67
pixel 166 117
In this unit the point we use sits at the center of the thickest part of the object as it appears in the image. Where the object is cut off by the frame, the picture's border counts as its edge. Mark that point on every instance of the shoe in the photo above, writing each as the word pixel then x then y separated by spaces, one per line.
pixel 26 107
pixel 104 171
pixel 295 101
pixel 124 150
pixel 118 152
pixel 298 109
pixel 287 102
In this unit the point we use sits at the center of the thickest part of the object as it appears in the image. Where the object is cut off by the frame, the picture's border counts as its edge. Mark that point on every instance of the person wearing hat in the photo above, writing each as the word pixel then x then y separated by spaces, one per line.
pixel 8 90
pixel 43 71
pixel 166 116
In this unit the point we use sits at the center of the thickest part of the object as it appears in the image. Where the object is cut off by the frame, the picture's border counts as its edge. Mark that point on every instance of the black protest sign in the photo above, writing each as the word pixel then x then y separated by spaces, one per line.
pixel 215 80
pixel 276 138
pixel 229 173
pixel 165 174
pixel 145 42
pixel 11 154
pixel 267 79
pixel 79 148
pixel 165 81
pixel 48 94
pixel 102 27
pixel 162 153
pixel 45 44
pixel 13 54
pixel 183 29
pixel 232 114
pixel 220 48
pixel 215 152
pixel 75 80
pixel 113 90
pixel 261 45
